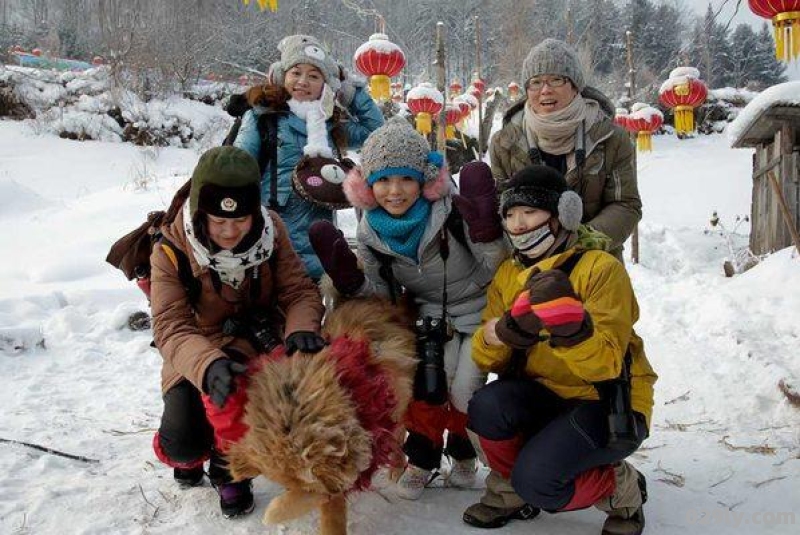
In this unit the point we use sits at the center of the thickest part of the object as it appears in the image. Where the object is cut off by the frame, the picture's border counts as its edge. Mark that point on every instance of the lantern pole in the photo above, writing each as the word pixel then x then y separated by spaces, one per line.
pixel 631 94
pixel 480 93
pixel 441 142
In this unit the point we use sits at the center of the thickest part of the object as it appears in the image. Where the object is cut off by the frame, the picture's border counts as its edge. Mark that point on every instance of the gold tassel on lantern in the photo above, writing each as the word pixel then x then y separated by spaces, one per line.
pixel 684 119
pixel 644 141
pixel 450 131
pixel 380 87
pixel 424 123
pixel 264 4
pixel 787 35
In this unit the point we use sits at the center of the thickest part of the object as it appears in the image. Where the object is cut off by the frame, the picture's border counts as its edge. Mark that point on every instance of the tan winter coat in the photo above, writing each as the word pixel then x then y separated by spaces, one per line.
pixel 189 340
pixel 606 182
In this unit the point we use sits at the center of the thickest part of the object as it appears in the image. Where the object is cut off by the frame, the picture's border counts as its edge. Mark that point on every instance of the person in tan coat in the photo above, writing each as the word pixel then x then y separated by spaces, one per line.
pixel 567 125
pixel 246 292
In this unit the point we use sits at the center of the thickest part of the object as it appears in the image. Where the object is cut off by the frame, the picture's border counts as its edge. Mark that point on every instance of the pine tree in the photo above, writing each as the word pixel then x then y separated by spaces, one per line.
pixel 767 70
pixel 744 49
pixel 710 50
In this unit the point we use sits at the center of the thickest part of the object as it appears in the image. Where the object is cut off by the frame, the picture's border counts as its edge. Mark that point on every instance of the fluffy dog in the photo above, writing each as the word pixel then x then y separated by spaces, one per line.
pixel 321 425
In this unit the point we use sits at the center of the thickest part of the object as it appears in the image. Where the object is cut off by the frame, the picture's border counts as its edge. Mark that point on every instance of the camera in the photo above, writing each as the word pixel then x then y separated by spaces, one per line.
pixel 616 394
pixel 255 326
pixel 430 382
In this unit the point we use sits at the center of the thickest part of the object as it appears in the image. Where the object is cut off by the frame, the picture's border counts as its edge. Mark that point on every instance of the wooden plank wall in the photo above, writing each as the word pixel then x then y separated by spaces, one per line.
pixel 768 229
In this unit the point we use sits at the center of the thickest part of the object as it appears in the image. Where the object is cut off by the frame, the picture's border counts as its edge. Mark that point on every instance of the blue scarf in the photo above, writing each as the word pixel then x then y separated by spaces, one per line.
pixel 402 234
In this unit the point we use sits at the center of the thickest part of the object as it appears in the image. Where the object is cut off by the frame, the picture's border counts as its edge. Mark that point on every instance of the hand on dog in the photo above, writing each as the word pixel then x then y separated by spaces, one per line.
pixel 305 342
pixel 219 380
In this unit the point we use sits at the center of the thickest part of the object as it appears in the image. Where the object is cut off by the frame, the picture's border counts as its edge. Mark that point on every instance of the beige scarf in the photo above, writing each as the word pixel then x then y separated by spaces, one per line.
pixel 555 132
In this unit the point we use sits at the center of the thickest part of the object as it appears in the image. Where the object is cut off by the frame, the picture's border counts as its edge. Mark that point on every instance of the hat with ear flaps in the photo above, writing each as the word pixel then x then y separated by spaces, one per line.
pixel 396 149
pixel 296 49
pixel 543 187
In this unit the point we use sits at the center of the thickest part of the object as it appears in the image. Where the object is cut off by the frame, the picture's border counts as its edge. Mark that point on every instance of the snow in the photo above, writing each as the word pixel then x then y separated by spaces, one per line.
pixel 425 90
pixel 785 94
pixel 720 346
pixel 379 42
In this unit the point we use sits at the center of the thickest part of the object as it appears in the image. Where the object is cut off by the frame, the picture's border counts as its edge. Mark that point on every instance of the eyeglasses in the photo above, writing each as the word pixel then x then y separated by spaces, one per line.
pixel 536 84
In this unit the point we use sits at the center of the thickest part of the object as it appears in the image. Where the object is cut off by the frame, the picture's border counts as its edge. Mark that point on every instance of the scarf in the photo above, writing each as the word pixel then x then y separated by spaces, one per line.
pixel 314 115
pixel 555 132
pixel 402 234
pixel 231 267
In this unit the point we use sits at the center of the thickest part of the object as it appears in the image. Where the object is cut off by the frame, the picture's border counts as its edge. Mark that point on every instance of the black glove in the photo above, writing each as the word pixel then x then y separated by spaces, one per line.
pixel 219 380
pixel 305 342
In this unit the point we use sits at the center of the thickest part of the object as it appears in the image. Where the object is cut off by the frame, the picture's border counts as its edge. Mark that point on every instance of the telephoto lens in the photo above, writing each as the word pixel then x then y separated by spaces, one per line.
pixel 430 382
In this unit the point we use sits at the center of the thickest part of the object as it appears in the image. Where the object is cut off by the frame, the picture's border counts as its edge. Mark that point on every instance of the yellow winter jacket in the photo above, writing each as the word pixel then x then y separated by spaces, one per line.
pixel 603 285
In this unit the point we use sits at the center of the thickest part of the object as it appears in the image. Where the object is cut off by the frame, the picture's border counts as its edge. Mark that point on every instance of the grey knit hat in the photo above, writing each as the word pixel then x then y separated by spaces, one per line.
pixel 397 149
pixel 545 188
pixel 552 56
pixel 297 49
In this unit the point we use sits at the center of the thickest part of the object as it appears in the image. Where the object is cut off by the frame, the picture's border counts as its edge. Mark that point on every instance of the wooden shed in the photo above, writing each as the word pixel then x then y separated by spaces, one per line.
pixel 771 125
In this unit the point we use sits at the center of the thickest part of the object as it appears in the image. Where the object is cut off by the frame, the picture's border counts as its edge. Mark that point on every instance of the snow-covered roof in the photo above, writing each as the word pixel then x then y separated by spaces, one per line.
pixel 757 122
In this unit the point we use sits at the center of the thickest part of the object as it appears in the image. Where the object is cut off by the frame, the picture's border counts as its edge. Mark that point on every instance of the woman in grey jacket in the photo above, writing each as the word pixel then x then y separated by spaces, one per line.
pixel 410 237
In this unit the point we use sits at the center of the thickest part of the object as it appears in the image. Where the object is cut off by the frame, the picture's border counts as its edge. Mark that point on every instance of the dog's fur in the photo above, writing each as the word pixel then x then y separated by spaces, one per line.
pixel 304 427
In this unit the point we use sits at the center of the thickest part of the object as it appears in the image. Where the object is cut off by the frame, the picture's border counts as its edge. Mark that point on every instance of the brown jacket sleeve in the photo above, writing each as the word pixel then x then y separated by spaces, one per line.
pixel 296 293
pixel 622 206
pixel 179 339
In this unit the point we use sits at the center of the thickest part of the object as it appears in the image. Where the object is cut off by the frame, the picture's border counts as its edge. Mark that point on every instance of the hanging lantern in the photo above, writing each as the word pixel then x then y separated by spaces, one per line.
pixel 36 52
pixel 264 4
pixel 513 90
pixel 463 106
pixel 785 15
pixel 452 118
pixel 471 100
pixel 455 88
pixel 478 83
pixel 379 59
pixel 621 117
pixel 644 120
pixel 475 92
pixel 683 91
pixel 424 101
pixel 397 98
pixel 97 61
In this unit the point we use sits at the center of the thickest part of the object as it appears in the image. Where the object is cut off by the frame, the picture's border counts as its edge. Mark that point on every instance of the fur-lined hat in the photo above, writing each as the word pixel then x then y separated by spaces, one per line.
pixel 396 149
pixel 545 188
pixel 296 49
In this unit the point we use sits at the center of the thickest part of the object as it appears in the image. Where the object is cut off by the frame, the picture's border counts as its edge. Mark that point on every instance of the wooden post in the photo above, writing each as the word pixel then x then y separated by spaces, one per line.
pixel 631 96
pixel 570 26
pixel 441 140
pixel 481 148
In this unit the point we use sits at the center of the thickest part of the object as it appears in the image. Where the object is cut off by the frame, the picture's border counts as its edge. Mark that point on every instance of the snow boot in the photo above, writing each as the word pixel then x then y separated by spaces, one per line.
pixel 463 473
pixel 485 516
pixel 624 506
pixel 413 482
pixel 235 498
pixel 188 477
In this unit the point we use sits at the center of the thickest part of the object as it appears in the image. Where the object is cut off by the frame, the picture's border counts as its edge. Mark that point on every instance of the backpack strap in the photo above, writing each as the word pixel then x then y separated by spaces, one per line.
pixel 179 259
pixel 268 154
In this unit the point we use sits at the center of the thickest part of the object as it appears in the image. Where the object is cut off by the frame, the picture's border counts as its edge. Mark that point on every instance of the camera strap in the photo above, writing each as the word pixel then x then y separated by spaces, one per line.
pixel 444 251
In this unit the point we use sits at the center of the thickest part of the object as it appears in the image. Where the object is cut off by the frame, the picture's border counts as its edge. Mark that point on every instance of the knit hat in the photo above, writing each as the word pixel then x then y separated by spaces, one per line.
pixel 396 149
pixel 297 49
pixel 545 188
pixel 226 183
pixel 552 56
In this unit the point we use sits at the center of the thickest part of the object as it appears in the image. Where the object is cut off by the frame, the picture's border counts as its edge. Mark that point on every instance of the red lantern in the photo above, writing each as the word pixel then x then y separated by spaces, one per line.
pixel 479 84
pixel 424 101
pixel 18 49
pixel 463 106
pixel 397 98
pixel 97 61
pixel 452 117
pixel 513 90
pixel 683 91
pixel 455 88
pixel 621 117
pixel 471 99
pixel 785 15
pixel 379 59
pixel 36 52
pixel 644 120
pixel 475 92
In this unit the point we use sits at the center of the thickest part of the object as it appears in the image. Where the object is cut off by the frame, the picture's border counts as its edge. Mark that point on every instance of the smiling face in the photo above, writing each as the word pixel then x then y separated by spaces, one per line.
pixel 549 93
pixel 396 193
pixel 228 232
pixel 304 82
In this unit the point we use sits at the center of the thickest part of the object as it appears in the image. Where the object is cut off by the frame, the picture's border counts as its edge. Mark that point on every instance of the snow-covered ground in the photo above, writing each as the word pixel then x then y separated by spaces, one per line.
pixel 722 457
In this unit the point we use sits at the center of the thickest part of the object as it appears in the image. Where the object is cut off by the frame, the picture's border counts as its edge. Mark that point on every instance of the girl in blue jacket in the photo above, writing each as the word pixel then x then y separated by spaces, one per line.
pixel 314 109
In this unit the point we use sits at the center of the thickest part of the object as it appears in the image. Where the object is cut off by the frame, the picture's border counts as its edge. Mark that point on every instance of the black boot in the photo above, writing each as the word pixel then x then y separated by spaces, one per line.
pixel 188 477
pixel 481 515
pixel 235 498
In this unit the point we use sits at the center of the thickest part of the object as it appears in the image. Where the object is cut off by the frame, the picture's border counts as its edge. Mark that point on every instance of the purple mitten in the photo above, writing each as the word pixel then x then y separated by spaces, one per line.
pixel 477 202
pixel 338 261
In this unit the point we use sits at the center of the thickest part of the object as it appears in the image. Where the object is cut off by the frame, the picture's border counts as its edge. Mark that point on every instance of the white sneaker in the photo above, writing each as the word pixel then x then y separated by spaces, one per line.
pixel 412 482
pixel 463 474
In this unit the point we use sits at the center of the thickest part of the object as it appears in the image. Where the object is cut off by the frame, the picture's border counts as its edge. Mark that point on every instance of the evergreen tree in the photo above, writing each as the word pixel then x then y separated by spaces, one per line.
pixel 744 48
pixel 710 50
pixel 766 70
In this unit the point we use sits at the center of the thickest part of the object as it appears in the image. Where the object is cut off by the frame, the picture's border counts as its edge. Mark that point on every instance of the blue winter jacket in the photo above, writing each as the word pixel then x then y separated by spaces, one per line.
pixel 297 213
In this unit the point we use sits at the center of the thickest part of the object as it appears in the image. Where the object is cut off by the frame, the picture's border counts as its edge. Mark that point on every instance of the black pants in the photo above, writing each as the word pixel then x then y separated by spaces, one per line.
pixel 561 438
pixel 185 433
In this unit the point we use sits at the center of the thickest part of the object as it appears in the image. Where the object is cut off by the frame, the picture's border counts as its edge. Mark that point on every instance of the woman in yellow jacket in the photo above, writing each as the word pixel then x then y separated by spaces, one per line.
pixel 558 329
